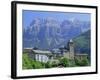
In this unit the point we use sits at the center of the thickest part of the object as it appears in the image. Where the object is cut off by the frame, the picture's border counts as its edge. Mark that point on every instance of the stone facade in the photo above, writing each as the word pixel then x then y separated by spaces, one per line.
pixel 44 56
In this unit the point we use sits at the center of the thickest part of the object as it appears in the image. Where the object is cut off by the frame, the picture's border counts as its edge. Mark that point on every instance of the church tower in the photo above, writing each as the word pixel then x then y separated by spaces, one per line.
pixel 71 49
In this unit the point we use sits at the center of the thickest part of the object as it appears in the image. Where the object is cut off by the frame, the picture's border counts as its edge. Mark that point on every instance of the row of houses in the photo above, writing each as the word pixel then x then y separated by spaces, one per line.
pixel 45 55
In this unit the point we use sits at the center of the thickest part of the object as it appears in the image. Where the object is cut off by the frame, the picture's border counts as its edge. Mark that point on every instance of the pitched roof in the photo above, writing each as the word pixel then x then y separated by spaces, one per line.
pixel 42 52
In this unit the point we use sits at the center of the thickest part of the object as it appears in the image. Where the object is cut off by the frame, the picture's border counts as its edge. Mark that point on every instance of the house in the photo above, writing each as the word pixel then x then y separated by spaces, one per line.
pixel 39 55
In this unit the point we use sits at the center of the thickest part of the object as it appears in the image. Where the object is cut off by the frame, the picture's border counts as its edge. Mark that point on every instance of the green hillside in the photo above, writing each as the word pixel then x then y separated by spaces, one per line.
pixel 82 43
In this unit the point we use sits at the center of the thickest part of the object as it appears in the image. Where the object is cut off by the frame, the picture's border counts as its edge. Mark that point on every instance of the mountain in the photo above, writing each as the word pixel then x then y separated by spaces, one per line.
pixel 50 33
pixel 83 43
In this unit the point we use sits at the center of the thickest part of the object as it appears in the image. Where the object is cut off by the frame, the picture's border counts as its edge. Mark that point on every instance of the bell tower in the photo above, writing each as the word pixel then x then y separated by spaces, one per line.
pixel 71 49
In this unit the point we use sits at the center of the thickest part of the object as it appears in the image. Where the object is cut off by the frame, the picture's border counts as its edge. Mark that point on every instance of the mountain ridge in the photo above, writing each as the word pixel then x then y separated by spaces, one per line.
pixel 49 33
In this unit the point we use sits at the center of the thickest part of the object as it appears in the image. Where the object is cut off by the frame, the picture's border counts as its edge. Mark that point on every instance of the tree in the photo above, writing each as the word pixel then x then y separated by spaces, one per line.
pixel 55 64
pixel 83 62
pixel 64 62
pixel 48 65
pixel 27 63
pixel 37 65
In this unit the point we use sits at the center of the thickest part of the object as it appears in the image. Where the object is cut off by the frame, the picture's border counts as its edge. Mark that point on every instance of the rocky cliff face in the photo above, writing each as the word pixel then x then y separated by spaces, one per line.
pixel 50 33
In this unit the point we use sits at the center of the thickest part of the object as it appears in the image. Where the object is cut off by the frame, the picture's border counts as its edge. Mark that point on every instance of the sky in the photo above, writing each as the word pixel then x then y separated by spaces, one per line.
pixel 29 15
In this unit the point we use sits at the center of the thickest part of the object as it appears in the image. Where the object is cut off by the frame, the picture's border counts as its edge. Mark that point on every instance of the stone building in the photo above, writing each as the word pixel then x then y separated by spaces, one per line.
pixel 70 53
pixel 44 56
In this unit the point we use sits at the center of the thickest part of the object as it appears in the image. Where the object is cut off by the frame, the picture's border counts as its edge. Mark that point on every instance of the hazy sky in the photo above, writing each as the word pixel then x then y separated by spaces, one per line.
pixel 29 15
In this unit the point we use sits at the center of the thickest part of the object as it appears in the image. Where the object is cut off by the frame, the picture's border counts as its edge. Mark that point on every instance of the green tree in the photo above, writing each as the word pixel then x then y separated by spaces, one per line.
pixel 64 62
pixel 83 62
pixel 37 65
pixel 27 63
pixel 55 64
pixel 48 65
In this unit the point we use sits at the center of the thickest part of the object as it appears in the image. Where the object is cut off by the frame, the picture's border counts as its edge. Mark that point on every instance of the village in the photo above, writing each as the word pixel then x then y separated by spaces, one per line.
pixel 45 56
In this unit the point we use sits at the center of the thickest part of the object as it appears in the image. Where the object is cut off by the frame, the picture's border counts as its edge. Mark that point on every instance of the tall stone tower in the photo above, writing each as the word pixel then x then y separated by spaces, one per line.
pixel 71 49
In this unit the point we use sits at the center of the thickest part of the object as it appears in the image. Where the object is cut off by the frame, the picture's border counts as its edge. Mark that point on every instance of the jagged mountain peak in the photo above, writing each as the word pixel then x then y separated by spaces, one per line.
pixel 48 33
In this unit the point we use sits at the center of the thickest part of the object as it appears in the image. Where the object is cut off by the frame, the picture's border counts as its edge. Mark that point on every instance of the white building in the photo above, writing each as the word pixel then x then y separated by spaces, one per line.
pixel 39 55
pixel 42 56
